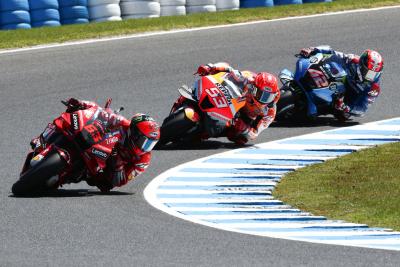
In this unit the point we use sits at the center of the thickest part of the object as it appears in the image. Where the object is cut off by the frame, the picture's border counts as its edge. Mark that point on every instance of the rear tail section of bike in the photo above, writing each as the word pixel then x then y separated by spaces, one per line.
pixel 178 125
pixel 41 175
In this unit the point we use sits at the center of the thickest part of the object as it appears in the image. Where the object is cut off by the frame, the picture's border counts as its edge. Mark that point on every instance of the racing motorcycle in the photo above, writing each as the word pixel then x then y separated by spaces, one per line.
pixel 312 89
pixel 205 110
pixel 75 146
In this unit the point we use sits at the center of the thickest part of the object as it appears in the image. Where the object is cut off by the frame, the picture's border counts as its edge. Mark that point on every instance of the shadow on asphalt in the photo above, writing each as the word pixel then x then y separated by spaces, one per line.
pixel 214 144
pixel 203 145
pixel 74 193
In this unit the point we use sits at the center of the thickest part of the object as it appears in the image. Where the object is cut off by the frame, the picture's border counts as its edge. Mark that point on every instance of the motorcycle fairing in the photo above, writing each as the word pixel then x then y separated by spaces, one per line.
pixel 323 78
pixel 218 96
pixel 86 128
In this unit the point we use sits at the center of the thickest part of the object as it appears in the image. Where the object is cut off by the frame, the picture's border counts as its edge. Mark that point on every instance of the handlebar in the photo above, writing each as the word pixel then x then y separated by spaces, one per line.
pixel 118 110
pixel 108 103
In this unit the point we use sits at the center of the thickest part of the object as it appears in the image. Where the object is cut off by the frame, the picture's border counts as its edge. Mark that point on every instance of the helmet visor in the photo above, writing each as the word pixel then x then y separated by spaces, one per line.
pixel 371 75
pixel 264 96
pixel 368 74
pixel 144 143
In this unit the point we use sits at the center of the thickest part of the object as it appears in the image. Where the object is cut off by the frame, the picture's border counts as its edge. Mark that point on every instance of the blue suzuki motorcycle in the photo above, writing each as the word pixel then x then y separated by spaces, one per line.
pixel 312 89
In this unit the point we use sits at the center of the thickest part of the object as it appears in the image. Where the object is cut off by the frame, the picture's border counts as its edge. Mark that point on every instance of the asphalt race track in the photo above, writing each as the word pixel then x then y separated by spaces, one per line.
pixel 80 227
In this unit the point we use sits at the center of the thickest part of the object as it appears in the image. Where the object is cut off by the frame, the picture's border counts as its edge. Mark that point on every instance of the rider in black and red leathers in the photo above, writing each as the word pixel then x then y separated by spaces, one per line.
pixel 362 81
pixel 130 156
pixel 261 92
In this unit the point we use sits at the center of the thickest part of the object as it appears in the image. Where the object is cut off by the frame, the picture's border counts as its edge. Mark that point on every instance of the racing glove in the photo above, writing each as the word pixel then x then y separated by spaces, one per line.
pixel 307 52
pixel 241 133
pixel 341 106
pixel 204 70
pixel 74 104
pixel 373 93
pixel 35 143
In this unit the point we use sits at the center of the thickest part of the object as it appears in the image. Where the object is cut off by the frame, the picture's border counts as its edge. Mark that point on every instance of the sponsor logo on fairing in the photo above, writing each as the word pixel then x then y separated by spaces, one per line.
pixel 333 86
pixel 112 140
pixel 75 122
pixel 226 92
pixel 313 59
pixel 99 153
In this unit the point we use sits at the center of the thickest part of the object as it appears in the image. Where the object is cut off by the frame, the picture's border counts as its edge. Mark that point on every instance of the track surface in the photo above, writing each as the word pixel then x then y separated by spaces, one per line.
pixel 81 227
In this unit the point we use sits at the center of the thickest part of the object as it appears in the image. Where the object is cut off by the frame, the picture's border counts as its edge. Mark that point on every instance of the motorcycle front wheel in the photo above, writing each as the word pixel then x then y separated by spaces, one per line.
pixel 34 180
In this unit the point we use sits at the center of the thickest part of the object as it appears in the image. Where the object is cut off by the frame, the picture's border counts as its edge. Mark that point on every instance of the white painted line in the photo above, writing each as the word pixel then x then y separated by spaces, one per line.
pixel 256 216
pixel 218 200
pixel 207 192
pixel 287 225
pixel 284 147
pixel 291 157
pixel 282 208
pixel 214 183
pixel 244 166
pixel 150 34
pixel 223 175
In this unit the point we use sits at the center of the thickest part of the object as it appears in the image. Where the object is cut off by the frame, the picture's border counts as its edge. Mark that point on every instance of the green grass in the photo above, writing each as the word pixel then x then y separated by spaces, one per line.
pixel 363 187
pixel 37 36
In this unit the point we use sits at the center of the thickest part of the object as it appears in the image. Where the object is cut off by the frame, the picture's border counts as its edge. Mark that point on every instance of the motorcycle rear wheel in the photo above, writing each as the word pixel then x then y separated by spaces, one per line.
pixel 175 127
pixel 285 105
pixel 33 181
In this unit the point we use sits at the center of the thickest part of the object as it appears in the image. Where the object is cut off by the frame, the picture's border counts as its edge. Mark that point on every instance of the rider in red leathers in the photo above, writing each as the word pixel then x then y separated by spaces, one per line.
pixel 262 94
pixel 130 156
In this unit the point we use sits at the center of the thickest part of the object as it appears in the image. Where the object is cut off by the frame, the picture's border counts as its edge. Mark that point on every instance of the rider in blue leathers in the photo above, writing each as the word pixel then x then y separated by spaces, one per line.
pixel 362 80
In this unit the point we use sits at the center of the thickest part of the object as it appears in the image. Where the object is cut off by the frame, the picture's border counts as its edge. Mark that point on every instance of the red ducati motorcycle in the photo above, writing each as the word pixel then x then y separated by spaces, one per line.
pixel 204 111
pixel 75 146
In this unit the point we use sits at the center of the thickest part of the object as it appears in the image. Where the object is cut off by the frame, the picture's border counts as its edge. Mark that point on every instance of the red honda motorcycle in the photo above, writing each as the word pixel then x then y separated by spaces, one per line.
pixel 206 110
pixel 72 148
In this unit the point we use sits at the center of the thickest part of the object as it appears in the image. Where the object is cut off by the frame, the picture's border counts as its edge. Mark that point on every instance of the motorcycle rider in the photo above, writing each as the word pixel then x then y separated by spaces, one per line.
pixel 130 156
pixel 261 93
pixel 362 82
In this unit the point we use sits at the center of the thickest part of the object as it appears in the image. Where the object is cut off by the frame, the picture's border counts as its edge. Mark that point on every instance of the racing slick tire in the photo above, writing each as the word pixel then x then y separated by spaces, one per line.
pixel 33 181
pixel 174 127
pixel 285 105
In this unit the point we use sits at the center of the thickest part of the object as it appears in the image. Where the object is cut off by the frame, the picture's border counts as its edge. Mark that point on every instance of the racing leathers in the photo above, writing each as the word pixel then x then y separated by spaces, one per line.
pixel 254 117
pixel 360 93
pixel 122 166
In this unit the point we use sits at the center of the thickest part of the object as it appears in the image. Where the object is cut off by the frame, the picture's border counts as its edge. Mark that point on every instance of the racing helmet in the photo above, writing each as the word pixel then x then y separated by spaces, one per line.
pixel 265 88
pixel 143 134
pixel 371 65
